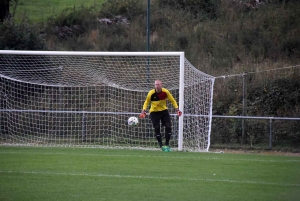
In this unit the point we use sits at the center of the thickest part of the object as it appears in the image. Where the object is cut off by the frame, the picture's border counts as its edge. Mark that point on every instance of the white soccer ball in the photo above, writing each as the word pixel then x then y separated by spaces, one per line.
pixel 133 121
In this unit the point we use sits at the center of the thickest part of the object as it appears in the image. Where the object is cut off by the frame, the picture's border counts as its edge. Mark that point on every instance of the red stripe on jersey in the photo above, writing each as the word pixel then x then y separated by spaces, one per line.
pixel 162 95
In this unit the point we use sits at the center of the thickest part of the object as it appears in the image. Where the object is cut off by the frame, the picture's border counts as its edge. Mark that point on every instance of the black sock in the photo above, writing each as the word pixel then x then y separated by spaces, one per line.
pixel 168 136
pixel 158 137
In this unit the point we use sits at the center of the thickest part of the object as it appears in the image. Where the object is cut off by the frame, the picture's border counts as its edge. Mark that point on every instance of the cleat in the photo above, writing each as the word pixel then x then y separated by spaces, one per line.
pixel 165 148
pixel 168 148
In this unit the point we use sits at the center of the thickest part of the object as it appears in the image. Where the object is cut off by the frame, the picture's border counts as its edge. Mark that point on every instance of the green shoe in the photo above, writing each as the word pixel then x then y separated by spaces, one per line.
pixel 168 148
pixel 165 148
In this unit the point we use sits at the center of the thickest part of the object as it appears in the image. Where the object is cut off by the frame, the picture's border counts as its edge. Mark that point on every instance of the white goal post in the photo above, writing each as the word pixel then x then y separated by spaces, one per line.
pixel 56 98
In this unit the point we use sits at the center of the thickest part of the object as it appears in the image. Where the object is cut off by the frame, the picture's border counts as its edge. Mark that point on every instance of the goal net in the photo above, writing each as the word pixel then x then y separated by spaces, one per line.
pixel 85 98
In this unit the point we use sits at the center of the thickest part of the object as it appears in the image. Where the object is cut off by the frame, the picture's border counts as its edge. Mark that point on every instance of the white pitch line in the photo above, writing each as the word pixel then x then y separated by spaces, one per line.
pixel 149 156
pixel 149 177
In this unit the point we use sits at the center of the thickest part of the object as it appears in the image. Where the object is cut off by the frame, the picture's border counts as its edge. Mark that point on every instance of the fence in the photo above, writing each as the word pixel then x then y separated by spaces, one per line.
pixel 262 132
pixel 257 109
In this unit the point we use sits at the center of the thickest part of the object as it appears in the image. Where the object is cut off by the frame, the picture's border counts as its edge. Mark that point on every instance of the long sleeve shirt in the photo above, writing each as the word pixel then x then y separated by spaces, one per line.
pixel 159 100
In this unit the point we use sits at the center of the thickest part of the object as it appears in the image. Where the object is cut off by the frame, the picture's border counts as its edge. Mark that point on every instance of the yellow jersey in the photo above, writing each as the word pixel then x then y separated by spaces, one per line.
pixel 159 100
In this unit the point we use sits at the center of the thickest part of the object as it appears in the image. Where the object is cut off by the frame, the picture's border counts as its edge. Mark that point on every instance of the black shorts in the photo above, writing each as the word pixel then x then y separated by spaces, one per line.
pixel 162 116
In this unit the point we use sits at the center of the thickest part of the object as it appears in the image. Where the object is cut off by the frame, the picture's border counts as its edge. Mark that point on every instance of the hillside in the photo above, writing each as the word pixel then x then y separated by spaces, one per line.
pixel 218 36
pixel 257 41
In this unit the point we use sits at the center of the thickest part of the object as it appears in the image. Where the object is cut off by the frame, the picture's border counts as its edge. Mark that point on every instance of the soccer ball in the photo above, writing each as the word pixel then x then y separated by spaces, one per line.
pixel 133 121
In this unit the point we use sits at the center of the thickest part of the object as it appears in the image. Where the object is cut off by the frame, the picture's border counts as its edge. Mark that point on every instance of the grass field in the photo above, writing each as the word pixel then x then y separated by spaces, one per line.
pixel 28 173
pixel 40 10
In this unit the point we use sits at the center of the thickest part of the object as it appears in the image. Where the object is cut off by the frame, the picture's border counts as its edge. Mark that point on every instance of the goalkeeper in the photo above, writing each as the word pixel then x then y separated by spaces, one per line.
pixel 159 112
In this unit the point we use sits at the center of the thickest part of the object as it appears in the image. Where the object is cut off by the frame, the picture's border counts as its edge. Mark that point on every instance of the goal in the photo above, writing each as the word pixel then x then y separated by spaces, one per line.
pixel 83 99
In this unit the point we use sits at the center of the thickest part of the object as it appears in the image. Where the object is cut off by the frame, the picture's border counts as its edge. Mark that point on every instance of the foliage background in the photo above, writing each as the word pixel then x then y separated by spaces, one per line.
pixel 219 37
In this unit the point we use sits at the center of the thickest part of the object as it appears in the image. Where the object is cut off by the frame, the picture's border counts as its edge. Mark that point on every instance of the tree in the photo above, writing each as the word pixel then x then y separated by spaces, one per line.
pixel 4 8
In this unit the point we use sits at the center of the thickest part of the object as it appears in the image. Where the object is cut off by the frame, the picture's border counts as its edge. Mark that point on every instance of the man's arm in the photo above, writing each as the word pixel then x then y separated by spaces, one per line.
pixel 174 103
pixel 145 106
pixel 147 101
pixel 171 99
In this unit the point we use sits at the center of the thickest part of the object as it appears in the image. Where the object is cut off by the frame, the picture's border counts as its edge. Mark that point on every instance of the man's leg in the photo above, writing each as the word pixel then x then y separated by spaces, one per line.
pixel 158 135
pixel 168 132
pixel 156 125
pixel 166 121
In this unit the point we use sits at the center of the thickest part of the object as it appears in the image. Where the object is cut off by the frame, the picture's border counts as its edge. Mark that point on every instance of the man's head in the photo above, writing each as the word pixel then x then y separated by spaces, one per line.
pixel 158 86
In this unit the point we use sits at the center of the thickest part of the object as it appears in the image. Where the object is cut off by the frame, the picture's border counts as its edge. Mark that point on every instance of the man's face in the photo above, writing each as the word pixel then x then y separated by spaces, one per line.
pixel 158 86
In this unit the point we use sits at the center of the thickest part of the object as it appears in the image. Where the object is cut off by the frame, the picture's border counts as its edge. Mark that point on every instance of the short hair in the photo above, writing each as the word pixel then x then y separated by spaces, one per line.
pixel 158 81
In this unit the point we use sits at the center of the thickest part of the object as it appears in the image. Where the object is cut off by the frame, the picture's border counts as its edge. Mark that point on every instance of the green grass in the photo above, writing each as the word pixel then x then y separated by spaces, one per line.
pixel 40 10
pixel 37 173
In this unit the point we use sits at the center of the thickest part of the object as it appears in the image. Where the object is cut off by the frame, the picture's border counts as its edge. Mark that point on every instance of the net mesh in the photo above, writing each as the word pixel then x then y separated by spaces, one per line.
pixel 85 100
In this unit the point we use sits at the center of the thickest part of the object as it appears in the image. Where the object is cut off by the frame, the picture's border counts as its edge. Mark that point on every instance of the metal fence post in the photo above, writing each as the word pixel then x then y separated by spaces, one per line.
pixel 244 106
pixel 271 134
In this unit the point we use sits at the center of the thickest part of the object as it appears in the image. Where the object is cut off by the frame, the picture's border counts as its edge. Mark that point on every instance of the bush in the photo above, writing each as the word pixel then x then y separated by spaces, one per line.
pixel 278 97
pixel 70 23
pixel 291 48
pixel 23 36
pixel 69 17
pixel 202 9
pixel 128 8
pixel 120 44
